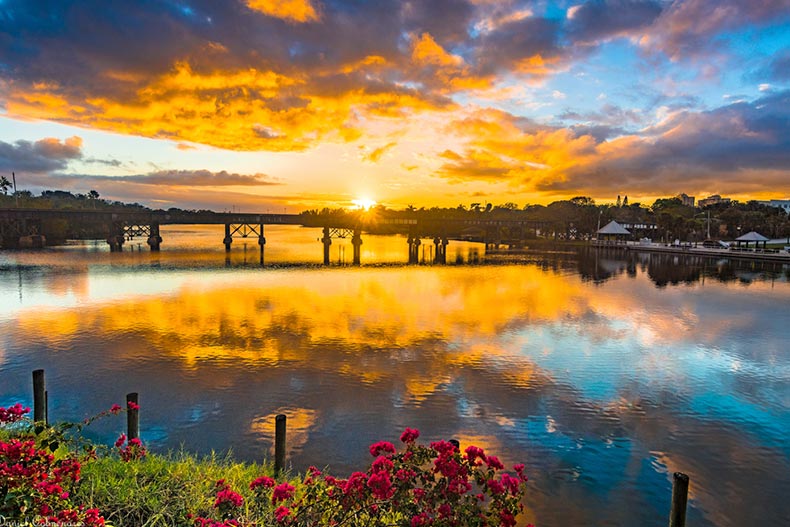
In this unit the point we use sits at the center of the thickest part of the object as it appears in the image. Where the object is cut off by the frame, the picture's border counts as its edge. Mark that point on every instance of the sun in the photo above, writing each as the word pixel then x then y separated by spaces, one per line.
pixel 363 203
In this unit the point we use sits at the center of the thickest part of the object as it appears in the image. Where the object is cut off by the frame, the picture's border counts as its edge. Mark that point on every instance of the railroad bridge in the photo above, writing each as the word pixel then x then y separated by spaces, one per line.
pixel 25 228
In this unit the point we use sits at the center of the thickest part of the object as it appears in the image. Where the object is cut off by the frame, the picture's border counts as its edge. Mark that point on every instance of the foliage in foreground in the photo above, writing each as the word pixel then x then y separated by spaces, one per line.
pixel 50 475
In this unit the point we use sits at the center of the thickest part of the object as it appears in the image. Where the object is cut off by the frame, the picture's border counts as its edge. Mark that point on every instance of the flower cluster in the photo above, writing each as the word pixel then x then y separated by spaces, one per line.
pixel 422 486
pixel 132 450
pixel 38 480
pixel 12 414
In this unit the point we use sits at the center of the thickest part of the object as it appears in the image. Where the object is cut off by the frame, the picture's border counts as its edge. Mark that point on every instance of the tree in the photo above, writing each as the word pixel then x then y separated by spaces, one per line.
pixel 5 185
pixel 93 194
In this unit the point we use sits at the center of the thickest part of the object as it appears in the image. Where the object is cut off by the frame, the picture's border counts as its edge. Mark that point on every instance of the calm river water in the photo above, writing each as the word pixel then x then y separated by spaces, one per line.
pixel 603 373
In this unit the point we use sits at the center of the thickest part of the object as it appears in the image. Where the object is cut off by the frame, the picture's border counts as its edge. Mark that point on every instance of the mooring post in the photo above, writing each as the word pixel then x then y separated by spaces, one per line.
pixel 228 240
pixel 455 443
pixel 279 443
pixel 680 492
pixel 327 241
pixel 39 397
pixel 132 416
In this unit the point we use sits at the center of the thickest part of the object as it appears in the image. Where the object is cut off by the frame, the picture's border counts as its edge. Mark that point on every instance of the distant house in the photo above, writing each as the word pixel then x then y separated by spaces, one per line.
pixel 783 204
pixel 712 200
pixel 686 200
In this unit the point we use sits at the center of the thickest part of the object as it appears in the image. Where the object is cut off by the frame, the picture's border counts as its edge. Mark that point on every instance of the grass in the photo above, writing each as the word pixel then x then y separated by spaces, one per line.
pixel 160 490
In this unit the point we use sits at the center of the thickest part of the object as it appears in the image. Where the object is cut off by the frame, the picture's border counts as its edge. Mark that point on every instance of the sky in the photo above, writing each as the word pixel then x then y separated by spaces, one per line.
pixel 265 105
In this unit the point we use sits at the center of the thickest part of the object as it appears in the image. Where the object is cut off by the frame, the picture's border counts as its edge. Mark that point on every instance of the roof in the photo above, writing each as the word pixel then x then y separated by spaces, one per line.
pixel 752 237
pixel 613 228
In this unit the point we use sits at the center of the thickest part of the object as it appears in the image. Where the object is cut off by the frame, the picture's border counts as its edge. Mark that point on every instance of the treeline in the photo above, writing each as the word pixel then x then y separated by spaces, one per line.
pixel 575 219
pixel 579 218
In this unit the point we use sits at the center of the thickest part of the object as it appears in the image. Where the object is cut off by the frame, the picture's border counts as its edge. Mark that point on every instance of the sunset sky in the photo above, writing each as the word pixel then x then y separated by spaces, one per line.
pixel 285 105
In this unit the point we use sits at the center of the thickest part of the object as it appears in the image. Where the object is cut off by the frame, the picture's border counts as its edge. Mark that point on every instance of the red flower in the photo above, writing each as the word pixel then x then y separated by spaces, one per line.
pixel 132 405
pixel 381 485
pixel 493 462
pixel 263 481
pixel 281 513
pixel 409 435
pixel 227 496
pixel 282 492
pixel 120 441
pixel 506 519
pixel 12 413
pixel 381 446
pixel 473 453
pixel 115 409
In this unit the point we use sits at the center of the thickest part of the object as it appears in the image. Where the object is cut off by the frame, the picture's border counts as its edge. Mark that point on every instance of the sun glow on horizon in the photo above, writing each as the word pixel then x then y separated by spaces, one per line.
pixel 363 203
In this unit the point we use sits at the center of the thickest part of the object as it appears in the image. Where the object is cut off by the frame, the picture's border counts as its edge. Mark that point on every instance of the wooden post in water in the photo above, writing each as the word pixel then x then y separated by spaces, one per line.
pixel 39 397
pixel 680 492
pixel 132 416
pixel 279 443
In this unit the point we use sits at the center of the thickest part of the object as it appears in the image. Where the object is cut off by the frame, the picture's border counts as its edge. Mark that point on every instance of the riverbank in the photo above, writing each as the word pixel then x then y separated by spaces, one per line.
pixel 731 253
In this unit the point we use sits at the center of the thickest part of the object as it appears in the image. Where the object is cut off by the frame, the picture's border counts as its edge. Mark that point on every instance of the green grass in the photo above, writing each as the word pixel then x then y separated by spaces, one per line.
pixel 160 490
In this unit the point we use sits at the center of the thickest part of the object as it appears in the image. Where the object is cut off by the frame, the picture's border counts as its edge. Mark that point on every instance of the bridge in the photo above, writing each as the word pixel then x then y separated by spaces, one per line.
pixel 28 228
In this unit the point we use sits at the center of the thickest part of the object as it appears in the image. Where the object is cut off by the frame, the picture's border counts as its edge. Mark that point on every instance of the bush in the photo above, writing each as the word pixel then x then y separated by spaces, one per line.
pixel 51 474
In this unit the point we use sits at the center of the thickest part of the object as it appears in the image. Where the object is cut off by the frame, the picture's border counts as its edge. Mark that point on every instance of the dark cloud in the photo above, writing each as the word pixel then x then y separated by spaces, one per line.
pixel 45 155
pixel 604 19
pixel 779 68
pixel 743 147
pixel 176 178
pixel 689 28
pixel 517 41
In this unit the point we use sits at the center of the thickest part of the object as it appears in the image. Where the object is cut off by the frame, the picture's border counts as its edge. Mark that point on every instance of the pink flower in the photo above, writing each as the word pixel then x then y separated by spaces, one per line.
pixel 263 481
pixel 495 487
pixel 473 453
pixel 506 519
pixel 281 513
pixel 120 441
pixel 381 446
pixel 409 435
pixel 420 519
pixel 510 483
pixel 227 496
pixel 382 464
pixel 282 492
pixel 493 462
pixel 12 413
pixel 115 409
pixel 132 405
pixel 520 471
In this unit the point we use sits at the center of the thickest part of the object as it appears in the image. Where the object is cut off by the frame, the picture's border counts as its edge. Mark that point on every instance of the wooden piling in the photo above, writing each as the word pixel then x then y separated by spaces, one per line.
pixel 132 416
pixel 680 491
pixel 279 443
pixel 39 397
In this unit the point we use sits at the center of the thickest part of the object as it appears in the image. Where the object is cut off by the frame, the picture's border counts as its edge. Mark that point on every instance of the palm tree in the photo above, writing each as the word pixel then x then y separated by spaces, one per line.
pixel 5 185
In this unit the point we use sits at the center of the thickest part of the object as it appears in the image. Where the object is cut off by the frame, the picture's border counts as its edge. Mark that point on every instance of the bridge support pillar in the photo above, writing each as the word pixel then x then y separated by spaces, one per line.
pixel 116 237
pixel 261 242
pixel 228 238
pixel 154 240
pixel 437 250
pixel 444 249
pixel 356 241
pixel 327 241
pixel 414 249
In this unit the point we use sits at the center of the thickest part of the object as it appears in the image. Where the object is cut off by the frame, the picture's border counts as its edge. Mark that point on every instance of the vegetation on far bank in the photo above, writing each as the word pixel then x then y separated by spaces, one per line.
pixel 574 219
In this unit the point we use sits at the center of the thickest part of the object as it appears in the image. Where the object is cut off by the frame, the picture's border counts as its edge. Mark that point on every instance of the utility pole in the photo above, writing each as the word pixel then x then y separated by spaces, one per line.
pixel 16 196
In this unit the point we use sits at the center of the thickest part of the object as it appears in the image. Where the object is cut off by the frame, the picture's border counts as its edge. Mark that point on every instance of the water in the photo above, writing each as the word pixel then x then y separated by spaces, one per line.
pixel 603 373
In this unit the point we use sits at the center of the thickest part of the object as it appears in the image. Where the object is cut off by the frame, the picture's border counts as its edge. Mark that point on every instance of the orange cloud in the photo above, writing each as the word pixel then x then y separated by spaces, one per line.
pixel 291 10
